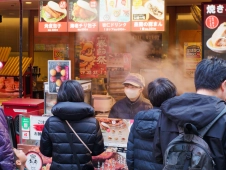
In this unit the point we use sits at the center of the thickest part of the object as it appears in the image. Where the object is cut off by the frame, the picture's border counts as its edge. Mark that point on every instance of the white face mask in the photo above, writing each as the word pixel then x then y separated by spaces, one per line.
pixel 132 93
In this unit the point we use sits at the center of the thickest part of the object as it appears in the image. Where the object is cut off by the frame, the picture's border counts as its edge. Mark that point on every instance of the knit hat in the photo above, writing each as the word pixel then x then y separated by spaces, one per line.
pixel 135 79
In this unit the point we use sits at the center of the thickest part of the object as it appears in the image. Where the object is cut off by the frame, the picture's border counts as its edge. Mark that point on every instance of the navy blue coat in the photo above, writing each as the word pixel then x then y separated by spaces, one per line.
pixel 140 143
pixel 54 142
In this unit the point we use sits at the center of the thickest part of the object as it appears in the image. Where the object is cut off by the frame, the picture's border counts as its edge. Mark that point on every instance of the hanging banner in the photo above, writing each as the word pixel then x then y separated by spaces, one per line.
pixel 83 16
pixel 214 26
pixel 148 15
pixel 53 16
pixel 192 56
pixel 92 56
pixel 114 15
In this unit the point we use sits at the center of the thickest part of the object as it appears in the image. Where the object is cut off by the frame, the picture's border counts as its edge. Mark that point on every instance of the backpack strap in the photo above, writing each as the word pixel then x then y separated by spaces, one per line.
pixel 203 131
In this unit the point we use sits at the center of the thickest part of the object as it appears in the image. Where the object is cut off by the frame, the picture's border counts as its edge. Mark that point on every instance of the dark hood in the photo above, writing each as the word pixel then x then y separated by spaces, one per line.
pixel 145 122
pixel 193 108
pixel 72 110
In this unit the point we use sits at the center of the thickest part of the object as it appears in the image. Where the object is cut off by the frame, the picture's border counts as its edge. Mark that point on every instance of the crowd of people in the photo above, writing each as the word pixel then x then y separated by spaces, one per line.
pixel 72 135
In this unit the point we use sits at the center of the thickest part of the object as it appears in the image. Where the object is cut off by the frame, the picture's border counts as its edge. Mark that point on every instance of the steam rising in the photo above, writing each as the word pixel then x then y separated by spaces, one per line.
pixel 170 67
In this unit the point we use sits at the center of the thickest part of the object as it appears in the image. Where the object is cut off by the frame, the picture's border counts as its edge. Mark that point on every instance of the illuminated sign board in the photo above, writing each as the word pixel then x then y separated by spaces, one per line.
pixel 102 15
pixel 213 30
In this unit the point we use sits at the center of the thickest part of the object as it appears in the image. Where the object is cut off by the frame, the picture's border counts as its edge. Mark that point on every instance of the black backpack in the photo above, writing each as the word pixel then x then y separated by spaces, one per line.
pixel 188 151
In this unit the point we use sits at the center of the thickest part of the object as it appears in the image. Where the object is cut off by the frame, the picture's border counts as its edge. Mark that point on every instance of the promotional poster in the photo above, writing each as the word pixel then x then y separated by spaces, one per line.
pixel 92 51
pixel 214 26
pixel 192 56
pixel 58 71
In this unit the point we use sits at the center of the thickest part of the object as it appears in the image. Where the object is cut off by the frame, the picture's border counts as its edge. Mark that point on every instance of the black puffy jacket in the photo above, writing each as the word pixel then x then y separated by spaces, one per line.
pixel 140 143
pixel 125 109
pixel 199 110
pixel 54 142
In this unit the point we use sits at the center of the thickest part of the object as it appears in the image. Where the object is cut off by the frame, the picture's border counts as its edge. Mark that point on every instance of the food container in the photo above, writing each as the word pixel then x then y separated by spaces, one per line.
pixel 102 103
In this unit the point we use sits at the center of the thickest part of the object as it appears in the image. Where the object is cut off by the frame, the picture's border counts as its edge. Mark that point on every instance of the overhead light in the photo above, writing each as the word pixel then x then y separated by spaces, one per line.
pixel 28 2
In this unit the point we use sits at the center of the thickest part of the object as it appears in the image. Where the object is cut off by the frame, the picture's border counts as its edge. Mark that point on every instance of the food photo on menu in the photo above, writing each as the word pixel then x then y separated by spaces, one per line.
pixel 217 42
pixel 53 11
pixel 58 71
pixel 83 11
pixel 114 10
pixel 143 10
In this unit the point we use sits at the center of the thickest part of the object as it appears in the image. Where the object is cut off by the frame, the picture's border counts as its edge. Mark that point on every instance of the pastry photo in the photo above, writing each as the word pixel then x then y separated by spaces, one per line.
pixel 52 12
pixel 155 8
pixel 217 42
pixel 82 12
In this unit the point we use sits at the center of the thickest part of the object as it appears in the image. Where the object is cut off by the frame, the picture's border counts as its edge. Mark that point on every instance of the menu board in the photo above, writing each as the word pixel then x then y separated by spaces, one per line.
pixel 148 15
pixel 214 26
pixel 58 71
pixel 53 16
pixel 115 131
pixel 114 15
pixel 82 16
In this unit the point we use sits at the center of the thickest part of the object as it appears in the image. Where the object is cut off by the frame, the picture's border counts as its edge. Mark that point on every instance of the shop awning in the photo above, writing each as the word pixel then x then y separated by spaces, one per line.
pixel 4 53
pixel 11 68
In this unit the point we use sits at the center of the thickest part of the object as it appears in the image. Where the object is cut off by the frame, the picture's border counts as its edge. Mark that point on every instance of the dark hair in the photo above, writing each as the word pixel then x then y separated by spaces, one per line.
pixel 210 73
pixel 160 90
pixel 70 91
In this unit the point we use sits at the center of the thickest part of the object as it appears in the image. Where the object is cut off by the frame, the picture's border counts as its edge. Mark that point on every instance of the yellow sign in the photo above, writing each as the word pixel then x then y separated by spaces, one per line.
pixel 192 56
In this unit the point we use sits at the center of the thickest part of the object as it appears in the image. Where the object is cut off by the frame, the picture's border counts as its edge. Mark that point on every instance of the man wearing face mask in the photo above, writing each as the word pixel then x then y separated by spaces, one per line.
pixel 134 101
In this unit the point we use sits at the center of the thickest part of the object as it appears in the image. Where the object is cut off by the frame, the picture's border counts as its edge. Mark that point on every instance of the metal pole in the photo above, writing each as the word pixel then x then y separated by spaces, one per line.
pixel 21 51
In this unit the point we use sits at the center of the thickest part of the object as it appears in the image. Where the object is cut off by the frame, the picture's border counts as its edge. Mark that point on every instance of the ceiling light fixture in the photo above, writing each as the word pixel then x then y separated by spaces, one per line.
pixel 28 3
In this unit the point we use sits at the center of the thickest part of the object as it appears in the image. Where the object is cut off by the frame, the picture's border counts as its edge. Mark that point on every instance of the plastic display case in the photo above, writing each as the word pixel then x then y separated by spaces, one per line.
pixel 50 98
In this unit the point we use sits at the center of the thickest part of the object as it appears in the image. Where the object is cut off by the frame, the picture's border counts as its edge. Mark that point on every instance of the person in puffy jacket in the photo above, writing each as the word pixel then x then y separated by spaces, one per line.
pixel 54 143
pixel 140 143
pixel 134 101
pixel 6 149
pixel 198 108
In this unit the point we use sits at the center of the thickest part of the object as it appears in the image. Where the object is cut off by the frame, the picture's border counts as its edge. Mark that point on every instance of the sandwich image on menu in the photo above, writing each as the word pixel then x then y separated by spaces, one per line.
pixel 217 42
pixel 83 12
pixel 52 12
pixel 144 10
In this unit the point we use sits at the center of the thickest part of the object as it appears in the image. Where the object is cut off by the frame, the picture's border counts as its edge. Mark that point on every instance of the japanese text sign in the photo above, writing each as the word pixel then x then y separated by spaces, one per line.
pixel 214 27
pixel 92 56
pixel 37 124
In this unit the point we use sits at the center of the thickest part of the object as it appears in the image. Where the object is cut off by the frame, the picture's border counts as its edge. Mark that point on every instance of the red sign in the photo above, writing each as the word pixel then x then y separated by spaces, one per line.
pixel 82 16
pixel 154 25
pixel 92 56
pixel 53 16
